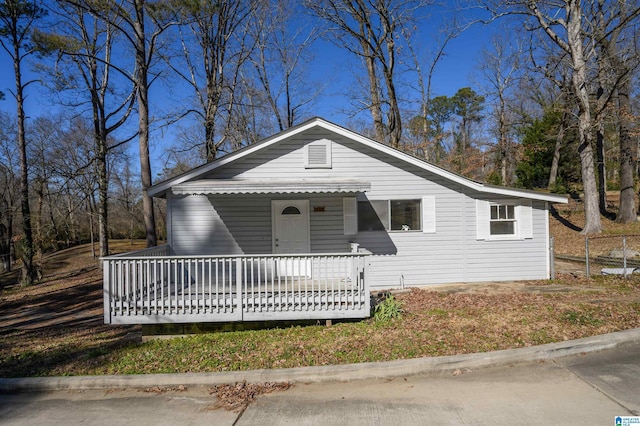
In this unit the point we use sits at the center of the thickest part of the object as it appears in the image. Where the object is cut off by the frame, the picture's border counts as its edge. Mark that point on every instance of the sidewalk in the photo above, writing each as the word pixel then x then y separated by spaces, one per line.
pixel 573 390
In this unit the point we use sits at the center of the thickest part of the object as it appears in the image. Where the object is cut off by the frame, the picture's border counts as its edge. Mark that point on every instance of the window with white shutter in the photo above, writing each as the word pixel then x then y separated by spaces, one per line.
pixel 503 220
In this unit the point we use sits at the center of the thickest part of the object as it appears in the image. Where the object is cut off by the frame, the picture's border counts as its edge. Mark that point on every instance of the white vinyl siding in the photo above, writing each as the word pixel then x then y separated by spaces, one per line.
pixel 510 259
pixel 450 254
pixel 228 224
pixel 220 225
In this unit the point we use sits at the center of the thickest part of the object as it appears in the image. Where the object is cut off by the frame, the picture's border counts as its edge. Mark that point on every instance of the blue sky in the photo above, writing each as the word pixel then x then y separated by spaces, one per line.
pixel 330 66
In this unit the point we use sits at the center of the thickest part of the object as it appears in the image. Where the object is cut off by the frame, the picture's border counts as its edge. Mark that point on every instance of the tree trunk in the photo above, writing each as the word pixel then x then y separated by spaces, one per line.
pixel 593 224
pixel 52 220
pixel 600 161
pixel 395 118
pixel 103 200
pixel 553 173
pixel 5 235
pixel 503 143
pixel 91 231
pixel 38 187
pixel 12 248
pixel 143 123
pixel 27 243
pixel 4 249
pixel 376 103
pixel 628 148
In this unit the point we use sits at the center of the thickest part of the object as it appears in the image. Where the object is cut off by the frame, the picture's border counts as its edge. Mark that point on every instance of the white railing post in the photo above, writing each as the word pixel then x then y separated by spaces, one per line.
pixel 106 290
pixel 239 287
pixel 365 285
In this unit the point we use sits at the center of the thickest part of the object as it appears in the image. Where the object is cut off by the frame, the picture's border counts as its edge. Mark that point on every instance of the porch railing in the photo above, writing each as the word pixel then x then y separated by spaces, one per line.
pixel 152 287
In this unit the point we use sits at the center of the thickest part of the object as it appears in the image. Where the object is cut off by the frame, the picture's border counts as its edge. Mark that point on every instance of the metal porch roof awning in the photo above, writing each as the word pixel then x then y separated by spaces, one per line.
pixel 270 186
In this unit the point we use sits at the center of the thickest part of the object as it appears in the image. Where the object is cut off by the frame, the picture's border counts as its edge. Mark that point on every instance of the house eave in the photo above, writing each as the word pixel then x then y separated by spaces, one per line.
pixel 524 193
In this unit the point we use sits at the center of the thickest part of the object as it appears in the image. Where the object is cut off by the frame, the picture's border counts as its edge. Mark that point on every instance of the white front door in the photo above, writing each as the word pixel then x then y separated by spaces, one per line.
pixel 290 226
pixel 291 236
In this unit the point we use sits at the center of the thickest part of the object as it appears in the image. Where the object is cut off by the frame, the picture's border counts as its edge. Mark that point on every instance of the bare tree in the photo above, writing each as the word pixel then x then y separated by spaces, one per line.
pixel 615 27
pixel 126 200
pixel 549 87
pixel 500 67
pixel 563 23
pixel 17 18
pixel 9 174
pixel 44 134
pixel 566 23
pixel 372 31
pixel 84 45
pixel 221 33
pixel 426 125
pixel 132 19
pixel 279 60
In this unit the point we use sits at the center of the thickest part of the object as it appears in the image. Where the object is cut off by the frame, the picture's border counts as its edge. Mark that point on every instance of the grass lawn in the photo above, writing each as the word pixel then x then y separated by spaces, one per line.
pixel 55 327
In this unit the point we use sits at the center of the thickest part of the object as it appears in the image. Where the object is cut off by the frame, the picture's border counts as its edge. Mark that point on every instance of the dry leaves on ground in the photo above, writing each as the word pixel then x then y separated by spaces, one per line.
pixel 238 396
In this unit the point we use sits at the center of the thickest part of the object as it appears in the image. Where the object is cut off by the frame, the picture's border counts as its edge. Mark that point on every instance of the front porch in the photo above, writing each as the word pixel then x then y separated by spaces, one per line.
pixel 152 286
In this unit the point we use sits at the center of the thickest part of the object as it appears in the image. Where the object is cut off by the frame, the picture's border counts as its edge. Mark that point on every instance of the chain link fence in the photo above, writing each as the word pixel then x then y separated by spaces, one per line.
pixel 603 255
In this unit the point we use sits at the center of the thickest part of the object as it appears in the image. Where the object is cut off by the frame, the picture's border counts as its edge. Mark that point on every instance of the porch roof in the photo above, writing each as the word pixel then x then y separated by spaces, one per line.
pixel 270 186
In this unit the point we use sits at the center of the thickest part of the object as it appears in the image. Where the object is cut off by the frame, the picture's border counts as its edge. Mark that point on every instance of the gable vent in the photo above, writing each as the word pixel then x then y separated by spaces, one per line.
pixel 318 154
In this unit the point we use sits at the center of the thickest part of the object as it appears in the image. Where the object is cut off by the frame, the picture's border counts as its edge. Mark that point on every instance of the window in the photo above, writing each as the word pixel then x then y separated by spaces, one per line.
pixel 290 210
pixel 510 219
pixel 405 215
pixel 503 220
pixel 393 215
pixel 373 215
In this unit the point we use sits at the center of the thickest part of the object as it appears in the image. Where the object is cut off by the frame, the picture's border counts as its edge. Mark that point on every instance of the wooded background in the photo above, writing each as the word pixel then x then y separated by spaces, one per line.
pixel 555 104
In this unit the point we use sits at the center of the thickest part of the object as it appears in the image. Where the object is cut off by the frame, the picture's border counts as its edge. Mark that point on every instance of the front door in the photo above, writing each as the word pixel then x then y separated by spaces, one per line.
pixel 290 226
pixel 291 235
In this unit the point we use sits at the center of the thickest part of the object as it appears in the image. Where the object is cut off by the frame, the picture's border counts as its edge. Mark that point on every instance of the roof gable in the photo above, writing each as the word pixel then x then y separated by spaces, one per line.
pixel 160 189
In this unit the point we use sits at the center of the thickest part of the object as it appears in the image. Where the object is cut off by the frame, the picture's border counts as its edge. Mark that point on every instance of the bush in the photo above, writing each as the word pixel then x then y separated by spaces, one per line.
pixel 390 308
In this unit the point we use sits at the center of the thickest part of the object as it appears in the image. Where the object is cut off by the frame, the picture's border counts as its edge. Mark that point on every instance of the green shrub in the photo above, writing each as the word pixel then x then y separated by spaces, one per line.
pixel 390 308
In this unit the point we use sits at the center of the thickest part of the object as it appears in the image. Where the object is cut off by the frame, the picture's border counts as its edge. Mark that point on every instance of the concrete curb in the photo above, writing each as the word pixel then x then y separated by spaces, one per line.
pixel 344 373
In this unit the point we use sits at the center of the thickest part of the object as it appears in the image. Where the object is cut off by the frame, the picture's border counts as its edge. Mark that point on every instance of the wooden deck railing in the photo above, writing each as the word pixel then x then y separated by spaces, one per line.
pixel 152 287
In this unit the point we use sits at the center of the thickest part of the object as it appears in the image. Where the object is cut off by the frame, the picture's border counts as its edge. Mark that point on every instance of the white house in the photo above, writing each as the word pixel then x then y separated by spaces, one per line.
pixel 322 210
